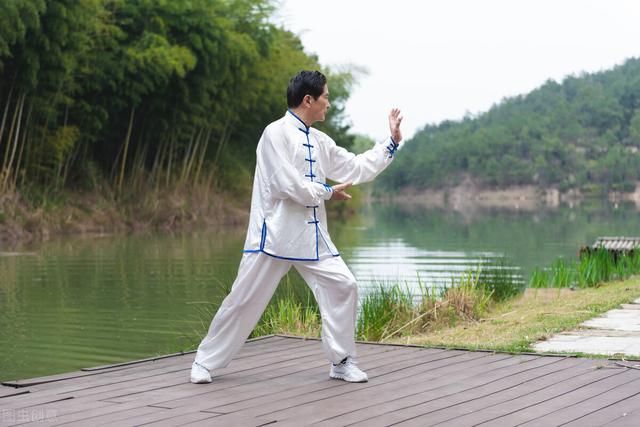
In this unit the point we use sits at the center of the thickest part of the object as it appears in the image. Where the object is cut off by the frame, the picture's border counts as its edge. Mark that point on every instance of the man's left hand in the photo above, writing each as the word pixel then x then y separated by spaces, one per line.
pixel 395 118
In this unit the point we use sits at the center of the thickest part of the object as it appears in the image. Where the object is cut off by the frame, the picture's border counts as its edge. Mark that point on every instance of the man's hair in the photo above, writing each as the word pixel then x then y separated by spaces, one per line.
pixel 305 83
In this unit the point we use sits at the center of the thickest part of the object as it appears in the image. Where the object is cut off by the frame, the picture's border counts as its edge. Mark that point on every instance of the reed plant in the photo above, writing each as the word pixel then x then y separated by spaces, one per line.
pixel 562 274
pixel 393 311
pixel 539 278
pixel 384 309
pixel 591 269
pixel 293 310
pixel 289 317
pixel 500 278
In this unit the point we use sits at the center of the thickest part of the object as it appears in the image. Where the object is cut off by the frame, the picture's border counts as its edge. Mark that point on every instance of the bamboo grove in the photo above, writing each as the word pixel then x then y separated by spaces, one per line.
pixel 135 95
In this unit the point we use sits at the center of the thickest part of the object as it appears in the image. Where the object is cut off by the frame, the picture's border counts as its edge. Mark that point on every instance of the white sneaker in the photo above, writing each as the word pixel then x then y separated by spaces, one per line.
pixel 348 370
pixel 199 374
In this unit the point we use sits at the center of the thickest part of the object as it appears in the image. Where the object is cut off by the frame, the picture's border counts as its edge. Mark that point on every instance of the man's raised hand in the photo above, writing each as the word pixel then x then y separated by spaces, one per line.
pixel 339 192
pixel 395 118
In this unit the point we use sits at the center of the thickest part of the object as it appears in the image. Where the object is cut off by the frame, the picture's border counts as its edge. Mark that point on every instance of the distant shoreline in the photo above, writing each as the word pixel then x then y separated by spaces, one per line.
pixel 469 195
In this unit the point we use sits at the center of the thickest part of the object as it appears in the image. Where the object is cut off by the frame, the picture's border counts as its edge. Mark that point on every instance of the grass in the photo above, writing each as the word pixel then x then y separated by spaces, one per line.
pixel 293 310
pixel 384 308
pixel 515 324
pixel 591 269
pixel 393 311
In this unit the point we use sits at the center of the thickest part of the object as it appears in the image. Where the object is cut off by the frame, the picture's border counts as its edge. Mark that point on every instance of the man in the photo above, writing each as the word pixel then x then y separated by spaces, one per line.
pixel 288 227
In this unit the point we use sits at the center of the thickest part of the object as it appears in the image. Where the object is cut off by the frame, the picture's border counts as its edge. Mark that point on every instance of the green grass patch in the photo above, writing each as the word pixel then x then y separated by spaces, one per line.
pixel 515 324
pixel 293 310
pixel 592 268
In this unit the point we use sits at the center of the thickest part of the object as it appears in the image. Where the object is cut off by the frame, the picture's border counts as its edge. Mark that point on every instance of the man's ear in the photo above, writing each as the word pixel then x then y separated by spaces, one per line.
pixel 306 100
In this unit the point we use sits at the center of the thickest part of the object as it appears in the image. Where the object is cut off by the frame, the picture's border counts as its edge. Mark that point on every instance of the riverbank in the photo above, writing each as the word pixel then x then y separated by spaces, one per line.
pixel 516 324
pixel 181 208
pixel 24 219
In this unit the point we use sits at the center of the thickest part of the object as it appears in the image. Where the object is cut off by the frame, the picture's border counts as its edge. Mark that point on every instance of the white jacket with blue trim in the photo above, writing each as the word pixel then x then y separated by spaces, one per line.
pixel 288 218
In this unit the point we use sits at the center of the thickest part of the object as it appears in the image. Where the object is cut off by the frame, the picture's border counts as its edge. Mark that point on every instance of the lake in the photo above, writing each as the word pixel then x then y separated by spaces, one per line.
pixel 86 301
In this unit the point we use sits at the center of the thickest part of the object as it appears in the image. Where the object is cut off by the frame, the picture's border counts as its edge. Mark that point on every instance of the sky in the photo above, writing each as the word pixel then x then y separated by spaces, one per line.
pixel 442 60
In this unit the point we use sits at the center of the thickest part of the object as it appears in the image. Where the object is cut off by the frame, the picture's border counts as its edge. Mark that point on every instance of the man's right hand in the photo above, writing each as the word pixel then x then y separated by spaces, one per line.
pixel 339 192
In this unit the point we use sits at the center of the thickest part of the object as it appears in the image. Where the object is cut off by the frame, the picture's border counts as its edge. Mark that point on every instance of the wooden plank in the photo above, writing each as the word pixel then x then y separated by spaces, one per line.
pixel 11 391
pixel 403 390
pixel 232 384
pixel 205 403
pixel 371 398
pixel 180 419
pixel 298 404
pixel 57 410
pixel 618 412
pixel 106 369
pixel 317 377
pixel 181 353
pixel 225 382
pixel 168 384
pixel 537 403
pixel 75 375
pixel 628 420
pixel 375 365
pixel 589 404
pixel 236 420
pixel 101 393
pixel 104 376
pixel 164 417
pixel 495 408
pixel 121 417
pixel 69 414
pixel 123 380
pixel 72 390
pixel 137 362
pixel 434 398
pixel 337 406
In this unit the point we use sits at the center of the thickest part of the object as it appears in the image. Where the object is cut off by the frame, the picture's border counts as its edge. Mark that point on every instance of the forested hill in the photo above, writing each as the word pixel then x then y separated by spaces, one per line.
pixel 583 133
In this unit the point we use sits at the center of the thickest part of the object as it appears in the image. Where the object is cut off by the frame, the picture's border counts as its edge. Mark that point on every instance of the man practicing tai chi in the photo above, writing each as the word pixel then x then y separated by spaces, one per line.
pixel 288 227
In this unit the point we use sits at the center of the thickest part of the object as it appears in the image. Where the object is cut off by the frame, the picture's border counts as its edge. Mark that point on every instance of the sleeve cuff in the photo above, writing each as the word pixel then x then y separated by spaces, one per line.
pixel 392 146
pixel 328 191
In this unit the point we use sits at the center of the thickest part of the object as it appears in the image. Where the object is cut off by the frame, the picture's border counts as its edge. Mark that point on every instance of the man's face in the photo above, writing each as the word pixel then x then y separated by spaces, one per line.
pixel 320 106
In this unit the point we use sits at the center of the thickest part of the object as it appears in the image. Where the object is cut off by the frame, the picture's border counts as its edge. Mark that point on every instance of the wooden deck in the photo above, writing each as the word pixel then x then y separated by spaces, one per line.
pixel 284 380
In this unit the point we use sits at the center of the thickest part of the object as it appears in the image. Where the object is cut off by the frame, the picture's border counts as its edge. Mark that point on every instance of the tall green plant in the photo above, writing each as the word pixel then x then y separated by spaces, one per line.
pixel 592 269
pixel 382 310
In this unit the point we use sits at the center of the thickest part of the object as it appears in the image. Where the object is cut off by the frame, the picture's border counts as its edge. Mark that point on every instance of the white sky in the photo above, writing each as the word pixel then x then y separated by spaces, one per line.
pixel 439 60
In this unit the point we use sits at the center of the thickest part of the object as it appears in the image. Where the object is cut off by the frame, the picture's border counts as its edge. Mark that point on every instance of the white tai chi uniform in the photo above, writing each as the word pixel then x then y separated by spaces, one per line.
pixel 288 227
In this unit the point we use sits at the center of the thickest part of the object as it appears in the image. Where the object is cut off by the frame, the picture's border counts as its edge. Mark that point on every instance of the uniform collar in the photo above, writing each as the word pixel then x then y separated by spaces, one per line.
pixel 291 118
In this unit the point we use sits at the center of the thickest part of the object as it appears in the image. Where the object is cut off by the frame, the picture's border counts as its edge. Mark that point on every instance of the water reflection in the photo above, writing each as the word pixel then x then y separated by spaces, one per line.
pixel 394 261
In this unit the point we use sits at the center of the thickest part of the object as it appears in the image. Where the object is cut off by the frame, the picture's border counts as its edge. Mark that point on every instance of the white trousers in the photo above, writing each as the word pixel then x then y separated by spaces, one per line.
pixel 331 282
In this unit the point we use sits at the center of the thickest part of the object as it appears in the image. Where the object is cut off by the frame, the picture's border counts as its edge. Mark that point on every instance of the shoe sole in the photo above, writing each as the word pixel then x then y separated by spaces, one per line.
pixel 200 381
pixel 341 377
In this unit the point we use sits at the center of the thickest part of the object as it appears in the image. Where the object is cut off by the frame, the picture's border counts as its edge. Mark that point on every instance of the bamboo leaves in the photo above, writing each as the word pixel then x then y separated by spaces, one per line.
pixel 152 93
